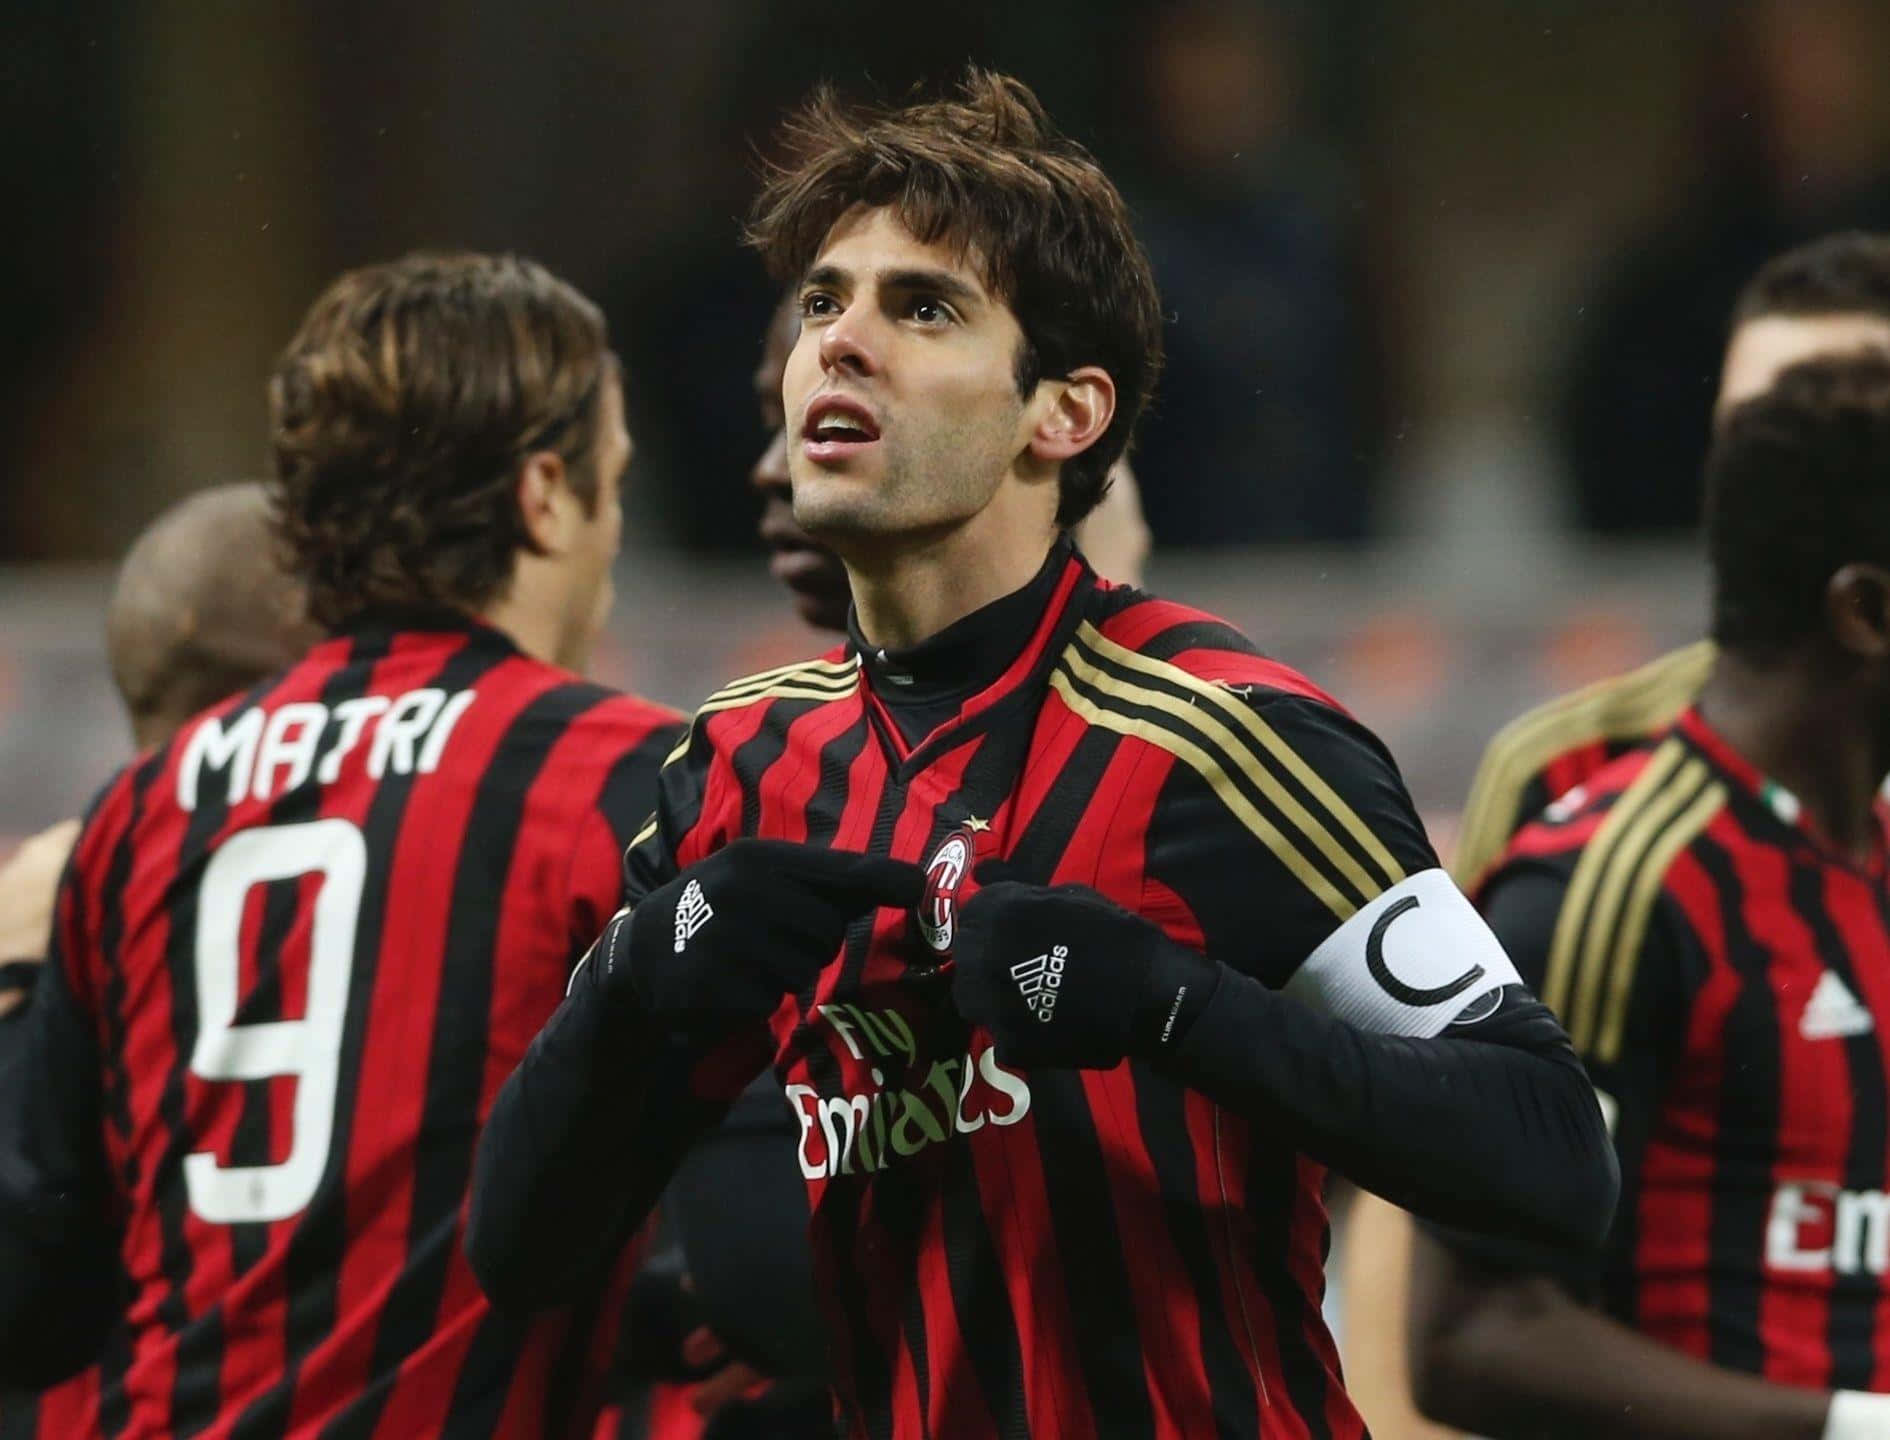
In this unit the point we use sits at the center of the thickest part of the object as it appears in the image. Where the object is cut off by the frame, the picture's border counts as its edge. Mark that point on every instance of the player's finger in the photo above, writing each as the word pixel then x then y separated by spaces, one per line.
pixel 873 879
pixel 863 881
pixel 991 897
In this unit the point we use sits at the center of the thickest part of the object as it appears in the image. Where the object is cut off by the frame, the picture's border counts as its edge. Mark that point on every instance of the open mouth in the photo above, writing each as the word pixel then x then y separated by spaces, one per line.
pixel 836 428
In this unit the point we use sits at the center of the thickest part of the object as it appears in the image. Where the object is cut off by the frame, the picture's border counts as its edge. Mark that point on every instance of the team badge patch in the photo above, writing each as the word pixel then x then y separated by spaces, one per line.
pixel 945 876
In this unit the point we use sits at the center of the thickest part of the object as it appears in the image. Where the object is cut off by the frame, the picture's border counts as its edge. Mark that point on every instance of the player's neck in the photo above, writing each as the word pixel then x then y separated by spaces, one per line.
pixel 527 617
pixel 1809 732
pixel 907 591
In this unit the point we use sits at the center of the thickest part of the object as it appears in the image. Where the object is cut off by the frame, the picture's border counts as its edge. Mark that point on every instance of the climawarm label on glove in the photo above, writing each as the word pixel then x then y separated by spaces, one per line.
pixel 1409 963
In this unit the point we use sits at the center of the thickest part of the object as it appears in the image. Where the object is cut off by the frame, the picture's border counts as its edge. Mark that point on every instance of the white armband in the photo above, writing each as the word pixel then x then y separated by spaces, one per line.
pixel 1856 1416
pixel 1409 963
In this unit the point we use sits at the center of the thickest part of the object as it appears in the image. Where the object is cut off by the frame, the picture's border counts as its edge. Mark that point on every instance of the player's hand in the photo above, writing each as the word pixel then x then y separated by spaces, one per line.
pixel 732 934
pixel 1065 977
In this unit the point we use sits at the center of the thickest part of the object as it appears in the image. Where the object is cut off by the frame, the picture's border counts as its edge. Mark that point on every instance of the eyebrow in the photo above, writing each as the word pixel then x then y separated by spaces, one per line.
pixel 939 282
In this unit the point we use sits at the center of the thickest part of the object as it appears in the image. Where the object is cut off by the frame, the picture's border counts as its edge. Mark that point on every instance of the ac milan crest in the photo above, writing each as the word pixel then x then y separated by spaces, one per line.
pixel 944 876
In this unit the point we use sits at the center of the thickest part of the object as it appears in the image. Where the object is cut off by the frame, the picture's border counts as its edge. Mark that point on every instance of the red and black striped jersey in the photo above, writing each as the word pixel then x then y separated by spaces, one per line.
pixel 306 942
pixel 1725 976
pixel 1553 748
pixel 1054 1252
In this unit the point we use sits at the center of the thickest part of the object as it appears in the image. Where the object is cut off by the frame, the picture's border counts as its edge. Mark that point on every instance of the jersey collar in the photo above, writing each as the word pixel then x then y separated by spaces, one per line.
pixel 1780 803
pixel 975 665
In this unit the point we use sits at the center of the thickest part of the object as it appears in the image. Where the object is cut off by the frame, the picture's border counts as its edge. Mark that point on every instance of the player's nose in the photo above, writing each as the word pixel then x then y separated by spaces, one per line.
pixel 848 341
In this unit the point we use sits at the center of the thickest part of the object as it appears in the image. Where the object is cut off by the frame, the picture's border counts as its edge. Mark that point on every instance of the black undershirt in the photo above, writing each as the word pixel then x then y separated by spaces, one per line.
pixel 924 686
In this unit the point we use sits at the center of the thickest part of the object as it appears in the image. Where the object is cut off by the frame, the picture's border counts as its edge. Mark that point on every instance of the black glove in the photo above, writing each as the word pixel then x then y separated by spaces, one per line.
pixel 732 934
pixel 1065 977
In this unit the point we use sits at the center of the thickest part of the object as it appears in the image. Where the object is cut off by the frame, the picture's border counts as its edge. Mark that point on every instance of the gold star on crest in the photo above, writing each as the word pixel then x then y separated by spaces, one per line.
pixel 975 825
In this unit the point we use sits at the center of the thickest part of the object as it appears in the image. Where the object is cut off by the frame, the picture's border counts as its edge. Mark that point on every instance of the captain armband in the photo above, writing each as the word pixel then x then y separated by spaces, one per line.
pixel 1416 960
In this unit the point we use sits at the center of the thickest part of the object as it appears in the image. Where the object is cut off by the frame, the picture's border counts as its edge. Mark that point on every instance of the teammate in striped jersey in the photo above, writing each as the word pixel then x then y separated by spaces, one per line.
pixel 199 610
pixel 1074 1189
pixel 1826 297
pixel 300 944
pixel 1823 298
pixel 1712 917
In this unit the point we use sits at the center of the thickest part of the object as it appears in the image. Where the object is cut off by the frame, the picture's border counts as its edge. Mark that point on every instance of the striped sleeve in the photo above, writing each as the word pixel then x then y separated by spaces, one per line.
pixel 650 860
pixel 1595 952
pixel 632 747
pixel 1502 800
pixel 1539 754
pixel 1281 820
pixel 1526 904
pixel 699 801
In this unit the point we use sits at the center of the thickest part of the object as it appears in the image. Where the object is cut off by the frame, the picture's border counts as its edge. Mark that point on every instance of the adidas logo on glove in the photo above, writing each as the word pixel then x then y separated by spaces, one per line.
pixel 1038 980
pixel 692 913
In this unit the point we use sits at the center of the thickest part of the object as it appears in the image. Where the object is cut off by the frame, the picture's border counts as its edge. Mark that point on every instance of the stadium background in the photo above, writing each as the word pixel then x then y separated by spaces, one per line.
pixel 1446 283
pixel 1445 280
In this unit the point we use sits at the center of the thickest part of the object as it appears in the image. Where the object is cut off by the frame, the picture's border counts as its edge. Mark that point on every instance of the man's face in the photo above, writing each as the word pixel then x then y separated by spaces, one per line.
pixel 901 393
pixel 1768 344
pixel 592 589
pixel 812 573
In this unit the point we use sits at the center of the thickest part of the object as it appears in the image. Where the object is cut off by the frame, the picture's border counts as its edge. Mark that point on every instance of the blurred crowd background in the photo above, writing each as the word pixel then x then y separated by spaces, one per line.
pixel 1446 284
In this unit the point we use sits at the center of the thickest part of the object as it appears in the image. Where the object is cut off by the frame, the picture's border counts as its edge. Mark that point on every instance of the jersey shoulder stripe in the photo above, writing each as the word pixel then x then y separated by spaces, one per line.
pixel 1219 734
pixel 827 670
pixel 1613 890
pixel 1620 708
pixel 821 681
pixel 1201 644
pixel 809 680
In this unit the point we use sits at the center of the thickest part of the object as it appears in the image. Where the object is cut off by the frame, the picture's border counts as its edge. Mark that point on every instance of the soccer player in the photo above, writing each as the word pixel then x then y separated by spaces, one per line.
pixel 1064 1169
pixel 1712 917
pixel 200 609
pixel 726 1208
pixel 1827 297
pixel 300 944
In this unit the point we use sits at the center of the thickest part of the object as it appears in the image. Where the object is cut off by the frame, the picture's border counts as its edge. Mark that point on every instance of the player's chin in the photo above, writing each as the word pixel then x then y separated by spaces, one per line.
pixel 834 508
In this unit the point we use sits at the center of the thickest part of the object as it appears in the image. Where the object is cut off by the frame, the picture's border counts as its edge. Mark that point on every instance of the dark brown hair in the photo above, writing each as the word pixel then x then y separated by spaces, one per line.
pixel 399 415
pixel 1842 274
pixel 986 172
pixel 1797 487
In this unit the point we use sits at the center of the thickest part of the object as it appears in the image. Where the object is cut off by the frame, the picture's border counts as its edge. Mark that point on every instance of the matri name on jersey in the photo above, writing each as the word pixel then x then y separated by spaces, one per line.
pixel 262 753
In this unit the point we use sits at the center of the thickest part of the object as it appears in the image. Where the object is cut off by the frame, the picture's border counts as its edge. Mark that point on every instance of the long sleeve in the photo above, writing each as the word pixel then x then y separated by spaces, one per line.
pixel 1522 903
pixel 581 1142
pixel 1490 1126
pixel 1365 1010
